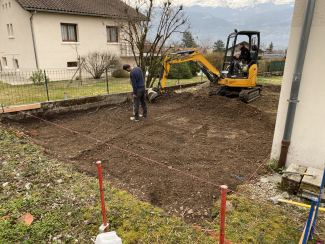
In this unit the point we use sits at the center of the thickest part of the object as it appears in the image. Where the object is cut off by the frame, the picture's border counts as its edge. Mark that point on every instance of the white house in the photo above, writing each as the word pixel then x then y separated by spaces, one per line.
pixel 307 146
pixel 39 34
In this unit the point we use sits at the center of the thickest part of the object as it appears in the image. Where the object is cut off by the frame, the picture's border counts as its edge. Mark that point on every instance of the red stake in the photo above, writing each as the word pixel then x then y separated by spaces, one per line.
pixel 101 189
pixel 224 190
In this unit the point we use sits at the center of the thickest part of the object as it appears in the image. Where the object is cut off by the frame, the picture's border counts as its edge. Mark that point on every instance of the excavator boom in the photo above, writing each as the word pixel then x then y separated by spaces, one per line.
pixel 212 73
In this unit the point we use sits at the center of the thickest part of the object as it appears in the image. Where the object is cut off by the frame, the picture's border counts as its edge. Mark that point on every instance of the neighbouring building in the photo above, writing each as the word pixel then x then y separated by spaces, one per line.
pixel 307 145
pixel 52 34
pixel 275 55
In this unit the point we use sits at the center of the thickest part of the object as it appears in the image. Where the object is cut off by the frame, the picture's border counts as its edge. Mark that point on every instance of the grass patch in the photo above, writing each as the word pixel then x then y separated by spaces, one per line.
pixel 58 90
pixel 273 80
pixel 272 165
pixel 65 203
pixel 254 222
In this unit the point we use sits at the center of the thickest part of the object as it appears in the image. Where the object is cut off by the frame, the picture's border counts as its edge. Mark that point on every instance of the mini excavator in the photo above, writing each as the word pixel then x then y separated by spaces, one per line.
pixel 237 78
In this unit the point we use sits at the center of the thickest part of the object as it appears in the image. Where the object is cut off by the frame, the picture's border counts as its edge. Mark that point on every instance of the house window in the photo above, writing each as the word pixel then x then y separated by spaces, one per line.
pixel 10 30
pixel 112 33
pixel 69 32
pixel 4 61
pixel 73 64
pixel 16 63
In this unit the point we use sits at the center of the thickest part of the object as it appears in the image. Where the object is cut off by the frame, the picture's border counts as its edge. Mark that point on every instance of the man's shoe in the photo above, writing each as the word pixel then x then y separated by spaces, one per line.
pixel 142 116
pixel 134 119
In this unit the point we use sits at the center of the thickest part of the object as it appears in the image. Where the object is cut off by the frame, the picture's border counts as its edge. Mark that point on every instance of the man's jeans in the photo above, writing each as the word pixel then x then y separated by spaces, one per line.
pixel 140 99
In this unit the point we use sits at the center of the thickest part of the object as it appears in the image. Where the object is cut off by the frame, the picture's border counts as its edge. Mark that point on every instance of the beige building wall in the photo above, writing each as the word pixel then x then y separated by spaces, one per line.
pixel 308 136
pixel 19 46
pixel 54 53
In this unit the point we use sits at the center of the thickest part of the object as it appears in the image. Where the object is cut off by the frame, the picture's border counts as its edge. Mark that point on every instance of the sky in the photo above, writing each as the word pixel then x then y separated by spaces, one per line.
pixel 230 3
pixel 271 17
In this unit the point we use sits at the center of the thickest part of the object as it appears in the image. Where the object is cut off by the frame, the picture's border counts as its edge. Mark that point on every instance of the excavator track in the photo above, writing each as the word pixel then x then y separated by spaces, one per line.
pixel 249 95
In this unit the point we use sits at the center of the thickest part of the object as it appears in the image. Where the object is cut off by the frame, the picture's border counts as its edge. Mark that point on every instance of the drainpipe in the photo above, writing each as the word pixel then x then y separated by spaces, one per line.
pixel 295 86
pixel 33 38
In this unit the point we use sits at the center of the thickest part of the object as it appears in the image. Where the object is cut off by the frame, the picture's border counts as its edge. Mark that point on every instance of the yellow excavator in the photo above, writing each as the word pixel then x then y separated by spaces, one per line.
pixel 237 78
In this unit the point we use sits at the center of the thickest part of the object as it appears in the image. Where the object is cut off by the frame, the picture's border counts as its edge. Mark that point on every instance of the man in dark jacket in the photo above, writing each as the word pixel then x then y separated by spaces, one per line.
pixel 245 55
pixel 139 92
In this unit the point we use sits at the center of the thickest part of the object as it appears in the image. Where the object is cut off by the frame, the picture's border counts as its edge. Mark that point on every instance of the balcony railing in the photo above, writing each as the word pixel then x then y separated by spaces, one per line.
pixel 126 50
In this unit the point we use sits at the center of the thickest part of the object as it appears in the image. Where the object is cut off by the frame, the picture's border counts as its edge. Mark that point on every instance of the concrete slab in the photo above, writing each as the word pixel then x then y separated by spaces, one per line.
pixel 311 184
pixel 13 109
pixel 308 194
pixel 314 180
pixel 291 180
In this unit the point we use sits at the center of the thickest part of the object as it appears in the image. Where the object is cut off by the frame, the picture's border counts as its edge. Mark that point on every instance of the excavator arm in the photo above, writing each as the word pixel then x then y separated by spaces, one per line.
pixel 212 73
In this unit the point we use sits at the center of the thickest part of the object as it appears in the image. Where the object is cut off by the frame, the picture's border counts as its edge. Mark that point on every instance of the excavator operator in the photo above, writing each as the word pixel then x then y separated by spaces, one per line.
pixel 241 62
pixel 245 56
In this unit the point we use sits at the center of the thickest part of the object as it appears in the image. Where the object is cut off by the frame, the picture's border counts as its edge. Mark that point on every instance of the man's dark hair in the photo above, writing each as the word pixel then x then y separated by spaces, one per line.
pixel 126 66
pixel 243 46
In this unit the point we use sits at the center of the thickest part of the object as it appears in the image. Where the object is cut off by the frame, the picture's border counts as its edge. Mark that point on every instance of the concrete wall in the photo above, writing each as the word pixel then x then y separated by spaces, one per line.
pixel 308 137
pixel 20 45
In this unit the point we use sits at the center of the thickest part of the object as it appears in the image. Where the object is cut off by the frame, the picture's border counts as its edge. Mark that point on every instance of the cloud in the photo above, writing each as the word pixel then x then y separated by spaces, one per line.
pixel 231 3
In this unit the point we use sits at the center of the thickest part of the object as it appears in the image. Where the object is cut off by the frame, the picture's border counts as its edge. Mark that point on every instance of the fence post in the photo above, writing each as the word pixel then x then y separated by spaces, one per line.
pixel 224 190
pixel 102 197
pixel 46 86
pixel 107 88
pixel 80 69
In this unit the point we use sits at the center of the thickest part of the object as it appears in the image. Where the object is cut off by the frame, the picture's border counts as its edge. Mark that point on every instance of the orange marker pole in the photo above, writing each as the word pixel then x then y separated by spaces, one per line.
pixel 102 196
pixel 224 190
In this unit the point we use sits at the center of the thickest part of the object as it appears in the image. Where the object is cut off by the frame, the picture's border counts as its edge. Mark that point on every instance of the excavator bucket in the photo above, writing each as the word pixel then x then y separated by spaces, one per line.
pixel 152 94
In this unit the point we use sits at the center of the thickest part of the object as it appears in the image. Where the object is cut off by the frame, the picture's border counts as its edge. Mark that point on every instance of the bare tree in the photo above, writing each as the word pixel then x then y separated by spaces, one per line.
pixel 157 20
pixel 96 63
pixel 205 45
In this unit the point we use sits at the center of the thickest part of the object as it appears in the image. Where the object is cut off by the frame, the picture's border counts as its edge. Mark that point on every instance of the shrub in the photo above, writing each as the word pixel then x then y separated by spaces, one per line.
pixel 180 71
pixel 194 67
pixel 38 77
pixel 96 63
pixel 263 66
pixel 216 59
pixel 120 73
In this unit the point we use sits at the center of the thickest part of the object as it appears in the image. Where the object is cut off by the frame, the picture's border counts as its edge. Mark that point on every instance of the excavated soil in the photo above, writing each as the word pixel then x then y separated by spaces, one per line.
pixel 176 158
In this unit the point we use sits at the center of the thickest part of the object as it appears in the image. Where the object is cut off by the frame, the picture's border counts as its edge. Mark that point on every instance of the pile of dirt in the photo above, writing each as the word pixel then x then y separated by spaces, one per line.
pixel 176 158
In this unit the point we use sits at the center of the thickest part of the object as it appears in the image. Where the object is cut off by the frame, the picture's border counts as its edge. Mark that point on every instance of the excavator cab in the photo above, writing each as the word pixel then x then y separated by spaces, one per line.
pixel 241 53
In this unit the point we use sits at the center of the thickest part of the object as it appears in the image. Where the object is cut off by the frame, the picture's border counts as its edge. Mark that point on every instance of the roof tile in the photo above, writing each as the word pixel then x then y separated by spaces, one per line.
pixel 100 8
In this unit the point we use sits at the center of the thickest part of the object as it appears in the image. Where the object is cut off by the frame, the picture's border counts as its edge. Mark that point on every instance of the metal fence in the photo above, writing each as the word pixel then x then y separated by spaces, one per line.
pixel 25 87
pixel 271 67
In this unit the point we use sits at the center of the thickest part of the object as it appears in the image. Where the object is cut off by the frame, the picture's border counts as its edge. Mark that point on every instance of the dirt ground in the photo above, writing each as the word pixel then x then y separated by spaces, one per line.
pixel 186 136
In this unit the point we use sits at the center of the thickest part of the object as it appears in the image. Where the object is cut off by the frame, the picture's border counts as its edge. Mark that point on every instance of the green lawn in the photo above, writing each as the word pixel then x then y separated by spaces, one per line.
pixel 273 80
pixel 25 94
